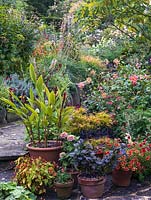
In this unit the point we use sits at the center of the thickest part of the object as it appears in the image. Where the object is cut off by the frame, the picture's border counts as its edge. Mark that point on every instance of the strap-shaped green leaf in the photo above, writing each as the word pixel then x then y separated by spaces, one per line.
pixel 32 73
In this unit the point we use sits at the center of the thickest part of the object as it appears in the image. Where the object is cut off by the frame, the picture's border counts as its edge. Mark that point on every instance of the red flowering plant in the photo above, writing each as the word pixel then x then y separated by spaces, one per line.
pixel 142 152
pixel 103 145
pixel 135 157
pixel 131 156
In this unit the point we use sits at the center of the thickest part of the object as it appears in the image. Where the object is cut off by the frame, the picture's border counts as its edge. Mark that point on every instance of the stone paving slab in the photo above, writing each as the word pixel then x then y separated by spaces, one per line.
pixel 12 144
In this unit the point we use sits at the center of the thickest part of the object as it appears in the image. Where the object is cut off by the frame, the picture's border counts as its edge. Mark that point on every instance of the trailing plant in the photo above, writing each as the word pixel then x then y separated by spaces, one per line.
pixel 34 174
pixel 11 190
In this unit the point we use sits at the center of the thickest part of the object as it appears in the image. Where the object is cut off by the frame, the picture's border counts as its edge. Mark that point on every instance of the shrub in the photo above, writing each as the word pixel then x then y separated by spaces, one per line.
pixel 17 40
pixel 83 122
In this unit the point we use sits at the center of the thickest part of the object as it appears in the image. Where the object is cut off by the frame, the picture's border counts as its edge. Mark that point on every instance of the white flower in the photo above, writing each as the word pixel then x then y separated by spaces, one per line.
pixel 37 110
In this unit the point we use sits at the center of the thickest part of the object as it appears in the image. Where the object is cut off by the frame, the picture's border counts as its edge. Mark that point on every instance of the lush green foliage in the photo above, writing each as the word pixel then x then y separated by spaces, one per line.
pixel 17 39
pixel 124 94
pixel 130 18
pixel 3 91
pixel 10 191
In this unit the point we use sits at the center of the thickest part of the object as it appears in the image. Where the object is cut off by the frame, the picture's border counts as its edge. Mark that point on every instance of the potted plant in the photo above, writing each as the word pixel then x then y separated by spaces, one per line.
pixel 127 161
pixel 44 115
pixel 34 174
pixel 66 161
pixel 92 168
pixel 134 158
pixel 63 184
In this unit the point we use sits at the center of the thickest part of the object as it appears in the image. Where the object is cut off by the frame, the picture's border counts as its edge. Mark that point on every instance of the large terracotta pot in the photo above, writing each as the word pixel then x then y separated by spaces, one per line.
pixel 91 187
pixel 51 153
pixel 121 178
pixel 63 190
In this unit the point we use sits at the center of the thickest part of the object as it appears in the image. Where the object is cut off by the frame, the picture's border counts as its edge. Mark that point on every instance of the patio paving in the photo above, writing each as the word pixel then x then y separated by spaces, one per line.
pixel 12 144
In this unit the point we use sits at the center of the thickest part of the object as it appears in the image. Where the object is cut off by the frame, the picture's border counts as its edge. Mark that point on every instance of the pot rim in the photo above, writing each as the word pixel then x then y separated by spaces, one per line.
pixel 64 184
pixel 101 178
pixel 29 146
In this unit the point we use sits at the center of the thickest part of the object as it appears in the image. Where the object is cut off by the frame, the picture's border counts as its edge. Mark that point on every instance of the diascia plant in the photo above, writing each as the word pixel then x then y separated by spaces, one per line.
pixel 34 174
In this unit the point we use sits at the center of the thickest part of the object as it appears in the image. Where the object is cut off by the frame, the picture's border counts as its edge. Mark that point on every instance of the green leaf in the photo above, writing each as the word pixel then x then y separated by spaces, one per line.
pixel 52 98
pixel 8 102
pixel 39 86
pixel 32 73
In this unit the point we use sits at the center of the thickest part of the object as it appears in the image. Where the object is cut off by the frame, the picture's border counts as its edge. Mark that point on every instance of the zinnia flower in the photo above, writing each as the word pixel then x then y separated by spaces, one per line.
pixel 81 85
pixel 70 138
pixel 64 135
pixel 88 80
pixel 133 79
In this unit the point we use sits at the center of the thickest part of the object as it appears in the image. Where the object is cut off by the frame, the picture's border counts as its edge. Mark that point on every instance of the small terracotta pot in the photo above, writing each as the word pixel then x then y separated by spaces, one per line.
pixel 49 153
pixel 63 190
pixel 121 178
pixel 74 175
pixel 91 187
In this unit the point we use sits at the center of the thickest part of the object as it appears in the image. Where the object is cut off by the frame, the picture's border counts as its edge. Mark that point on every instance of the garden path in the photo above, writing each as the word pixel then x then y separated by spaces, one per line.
pixel 12 145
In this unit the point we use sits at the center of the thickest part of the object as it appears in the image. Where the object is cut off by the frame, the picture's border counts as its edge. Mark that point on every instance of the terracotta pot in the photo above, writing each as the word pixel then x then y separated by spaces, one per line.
pixel 121 178
pixel 91 187
pixel 74 175
pixel 51 153
pixel 63 190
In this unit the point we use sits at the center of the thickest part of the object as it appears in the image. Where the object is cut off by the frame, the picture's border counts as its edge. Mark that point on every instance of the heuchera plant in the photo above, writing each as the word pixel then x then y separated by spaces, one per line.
pixel 86 160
